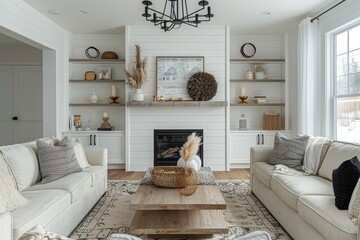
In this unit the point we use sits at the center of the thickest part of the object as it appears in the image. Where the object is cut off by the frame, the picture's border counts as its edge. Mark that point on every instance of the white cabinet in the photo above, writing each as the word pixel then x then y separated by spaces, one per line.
pixel 112 140
pixel 242 141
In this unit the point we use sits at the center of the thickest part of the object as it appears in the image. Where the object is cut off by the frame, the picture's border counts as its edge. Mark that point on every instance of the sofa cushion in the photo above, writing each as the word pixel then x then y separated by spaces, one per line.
pixel 97 173
pixel 56 161
pixel 338 153
pixel 76 183
pixel 10 198
pixel 321 213
pixel 289 152
pixel 23 164
pixel 290 188
pixel 263 171
pixel 44 206
pixel 345 178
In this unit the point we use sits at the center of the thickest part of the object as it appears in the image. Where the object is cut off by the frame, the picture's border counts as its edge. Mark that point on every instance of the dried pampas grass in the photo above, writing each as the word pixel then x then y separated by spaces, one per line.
pixel 190 148
pixel 139 74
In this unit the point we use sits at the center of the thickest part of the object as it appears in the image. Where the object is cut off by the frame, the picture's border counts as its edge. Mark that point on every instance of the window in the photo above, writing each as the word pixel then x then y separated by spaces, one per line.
pixel 347 84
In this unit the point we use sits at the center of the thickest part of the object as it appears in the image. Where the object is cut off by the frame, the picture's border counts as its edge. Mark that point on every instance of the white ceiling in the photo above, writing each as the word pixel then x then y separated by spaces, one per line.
pixel 243 16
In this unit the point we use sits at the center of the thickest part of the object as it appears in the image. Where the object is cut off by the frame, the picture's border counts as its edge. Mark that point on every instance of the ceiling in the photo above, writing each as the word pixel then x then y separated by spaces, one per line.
pixel 243 16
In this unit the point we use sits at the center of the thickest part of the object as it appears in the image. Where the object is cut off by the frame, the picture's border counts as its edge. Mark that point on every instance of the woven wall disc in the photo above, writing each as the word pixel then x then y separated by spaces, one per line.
pixel 202 86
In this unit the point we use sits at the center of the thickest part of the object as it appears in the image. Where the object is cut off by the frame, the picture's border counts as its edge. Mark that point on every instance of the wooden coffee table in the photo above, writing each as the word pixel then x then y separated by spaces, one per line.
pixel 164 212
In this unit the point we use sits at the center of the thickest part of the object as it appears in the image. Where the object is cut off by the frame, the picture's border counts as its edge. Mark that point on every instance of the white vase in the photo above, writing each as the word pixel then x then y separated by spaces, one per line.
pixel 195 163
pixel 94 98
pixel 138 96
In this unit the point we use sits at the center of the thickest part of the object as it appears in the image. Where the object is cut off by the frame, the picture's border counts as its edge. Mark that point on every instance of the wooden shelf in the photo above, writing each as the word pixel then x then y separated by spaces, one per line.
pixel 254 130
pixel 257 104
pixel 96 81
pixel 258 60
pixel 262 80
pixel 97 60
pixel 95 105
pixel 179 104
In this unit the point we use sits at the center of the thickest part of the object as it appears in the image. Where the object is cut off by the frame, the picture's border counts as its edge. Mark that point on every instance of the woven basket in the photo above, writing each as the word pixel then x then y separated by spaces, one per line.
pixel 174 177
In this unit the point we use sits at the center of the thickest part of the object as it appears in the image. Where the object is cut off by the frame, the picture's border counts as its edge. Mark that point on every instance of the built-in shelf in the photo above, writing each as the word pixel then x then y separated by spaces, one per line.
pixel 179 104
pixel 97 81
pixel 256 104
pixel 96 105
pixel 97 60
pixel 262 80
pixel 258 60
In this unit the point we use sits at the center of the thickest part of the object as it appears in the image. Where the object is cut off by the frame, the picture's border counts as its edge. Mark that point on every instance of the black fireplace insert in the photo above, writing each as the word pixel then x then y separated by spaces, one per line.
pixel 167 143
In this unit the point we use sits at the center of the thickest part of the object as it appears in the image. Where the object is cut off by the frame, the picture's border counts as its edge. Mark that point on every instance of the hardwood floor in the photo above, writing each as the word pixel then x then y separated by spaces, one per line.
pixel 117 174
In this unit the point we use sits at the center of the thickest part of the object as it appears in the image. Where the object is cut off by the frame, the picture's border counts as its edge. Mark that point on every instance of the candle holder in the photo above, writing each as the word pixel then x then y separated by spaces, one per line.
pixel 105 123
pixel 243 99
pixel 114 98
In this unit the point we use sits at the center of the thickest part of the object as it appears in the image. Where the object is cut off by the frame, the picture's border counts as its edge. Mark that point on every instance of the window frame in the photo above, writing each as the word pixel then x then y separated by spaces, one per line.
pixel 332 71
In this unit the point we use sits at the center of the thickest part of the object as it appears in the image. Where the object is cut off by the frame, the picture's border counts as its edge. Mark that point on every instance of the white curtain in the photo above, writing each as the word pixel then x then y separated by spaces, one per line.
pixel 307 82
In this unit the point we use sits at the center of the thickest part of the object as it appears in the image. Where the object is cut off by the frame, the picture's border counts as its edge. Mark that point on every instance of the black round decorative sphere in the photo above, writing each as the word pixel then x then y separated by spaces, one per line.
pixel 202 86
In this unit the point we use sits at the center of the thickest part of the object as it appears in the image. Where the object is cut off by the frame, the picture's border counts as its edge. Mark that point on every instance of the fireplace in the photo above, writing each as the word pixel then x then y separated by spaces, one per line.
pixel 167 144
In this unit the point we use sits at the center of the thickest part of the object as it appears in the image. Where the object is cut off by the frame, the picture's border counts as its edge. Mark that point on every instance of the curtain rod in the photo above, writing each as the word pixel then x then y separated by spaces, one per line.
pixel 317 17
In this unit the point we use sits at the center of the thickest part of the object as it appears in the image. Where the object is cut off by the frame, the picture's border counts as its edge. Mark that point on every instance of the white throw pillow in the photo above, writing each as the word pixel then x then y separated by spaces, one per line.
pixel 80 153
pixel 10 198
pixel 354 205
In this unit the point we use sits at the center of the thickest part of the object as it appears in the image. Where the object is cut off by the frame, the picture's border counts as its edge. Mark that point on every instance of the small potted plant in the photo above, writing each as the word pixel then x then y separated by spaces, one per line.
pixel 138 75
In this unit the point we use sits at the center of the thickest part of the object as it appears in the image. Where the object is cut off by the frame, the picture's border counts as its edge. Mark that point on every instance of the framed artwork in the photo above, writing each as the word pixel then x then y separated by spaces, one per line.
pixel 103 73
pixel 173 73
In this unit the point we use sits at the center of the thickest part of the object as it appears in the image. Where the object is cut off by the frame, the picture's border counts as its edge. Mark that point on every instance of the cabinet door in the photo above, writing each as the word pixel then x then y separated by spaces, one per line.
pixel 6 106
pixel 84 137
pixel 114 145
pixel 240 146
pixel 27 103
pixel 267 139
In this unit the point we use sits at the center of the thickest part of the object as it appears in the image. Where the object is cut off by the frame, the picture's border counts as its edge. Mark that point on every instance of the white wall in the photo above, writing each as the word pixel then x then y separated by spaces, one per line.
pixel 16 54
pixel 209 42
pixel 22 22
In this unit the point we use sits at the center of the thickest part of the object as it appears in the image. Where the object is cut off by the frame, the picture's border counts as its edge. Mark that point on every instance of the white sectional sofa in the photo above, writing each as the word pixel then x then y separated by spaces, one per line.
pixel 58 206
pixel 305 205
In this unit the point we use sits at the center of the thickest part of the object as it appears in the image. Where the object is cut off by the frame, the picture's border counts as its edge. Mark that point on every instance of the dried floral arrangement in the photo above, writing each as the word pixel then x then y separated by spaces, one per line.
pixel 190 148
pixel 139 74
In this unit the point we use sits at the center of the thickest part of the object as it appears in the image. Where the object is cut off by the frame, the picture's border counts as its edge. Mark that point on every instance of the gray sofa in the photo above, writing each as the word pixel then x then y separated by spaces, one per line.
pixel 57 206
pixel 305 205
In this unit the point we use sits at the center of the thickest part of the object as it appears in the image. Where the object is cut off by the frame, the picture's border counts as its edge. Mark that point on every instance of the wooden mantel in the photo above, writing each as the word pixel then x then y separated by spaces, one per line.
pixel 179 104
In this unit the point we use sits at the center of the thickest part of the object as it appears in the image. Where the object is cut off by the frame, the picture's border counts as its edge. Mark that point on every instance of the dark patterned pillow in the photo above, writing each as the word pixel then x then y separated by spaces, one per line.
pixel 289 152
pixel 56 161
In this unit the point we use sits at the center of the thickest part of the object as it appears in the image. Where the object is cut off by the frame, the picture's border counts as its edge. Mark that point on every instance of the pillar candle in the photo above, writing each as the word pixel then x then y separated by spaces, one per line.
pixel 242 91
pixel 113 90
pixel 105 114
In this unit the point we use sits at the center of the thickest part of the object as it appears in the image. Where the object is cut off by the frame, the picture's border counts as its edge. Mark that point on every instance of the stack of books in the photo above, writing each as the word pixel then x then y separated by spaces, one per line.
pixel 260 99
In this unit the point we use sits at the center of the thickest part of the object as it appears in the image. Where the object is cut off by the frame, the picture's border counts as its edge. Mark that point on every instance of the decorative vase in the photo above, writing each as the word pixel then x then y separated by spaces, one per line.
pixel 94 98
pixel 138 96
pixel 195 163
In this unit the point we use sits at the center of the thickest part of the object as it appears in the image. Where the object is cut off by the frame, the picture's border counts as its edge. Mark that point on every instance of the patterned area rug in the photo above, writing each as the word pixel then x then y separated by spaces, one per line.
pixel 244 213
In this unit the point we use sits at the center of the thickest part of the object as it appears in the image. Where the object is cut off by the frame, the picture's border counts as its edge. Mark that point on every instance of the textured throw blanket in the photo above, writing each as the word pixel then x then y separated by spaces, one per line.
pixel 311 159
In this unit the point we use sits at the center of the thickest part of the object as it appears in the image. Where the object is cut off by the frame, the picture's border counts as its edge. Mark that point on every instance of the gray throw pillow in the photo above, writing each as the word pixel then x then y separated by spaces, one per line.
pixel 289 152
pixel 56 161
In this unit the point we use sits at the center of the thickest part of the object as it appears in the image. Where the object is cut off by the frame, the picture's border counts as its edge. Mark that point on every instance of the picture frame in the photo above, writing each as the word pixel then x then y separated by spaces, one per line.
pixel 103 73
pixel 173 73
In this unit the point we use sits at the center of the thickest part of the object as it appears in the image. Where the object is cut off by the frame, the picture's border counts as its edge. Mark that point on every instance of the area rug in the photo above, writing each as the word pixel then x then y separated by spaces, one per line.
pixel 244 213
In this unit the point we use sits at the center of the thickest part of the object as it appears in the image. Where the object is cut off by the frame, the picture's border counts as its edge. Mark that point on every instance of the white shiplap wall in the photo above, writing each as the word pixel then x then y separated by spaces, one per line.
pixel 80 92
pixel 204 41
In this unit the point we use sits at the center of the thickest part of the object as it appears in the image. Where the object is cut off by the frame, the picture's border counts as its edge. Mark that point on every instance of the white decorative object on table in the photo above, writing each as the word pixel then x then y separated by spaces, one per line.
pixel 94 98
pixel 195 163
pixel 188 152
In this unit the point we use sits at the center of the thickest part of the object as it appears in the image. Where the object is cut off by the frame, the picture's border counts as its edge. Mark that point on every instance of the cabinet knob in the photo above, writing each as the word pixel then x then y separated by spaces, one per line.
pixel 262 139
pixel 15 118
pixel 258 139
pixel 91 140
pixel 94 140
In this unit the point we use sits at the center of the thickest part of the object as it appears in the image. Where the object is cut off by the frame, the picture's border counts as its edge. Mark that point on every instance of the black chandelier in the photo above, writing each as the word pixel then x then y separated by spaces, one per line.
pixel 175 13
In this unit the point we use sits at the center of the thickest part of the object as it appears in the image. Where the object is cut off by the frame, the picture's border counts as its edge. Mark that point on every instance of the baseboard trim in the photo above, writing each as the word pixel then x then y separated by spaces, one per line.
pixel 116 166
pixel 239 165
